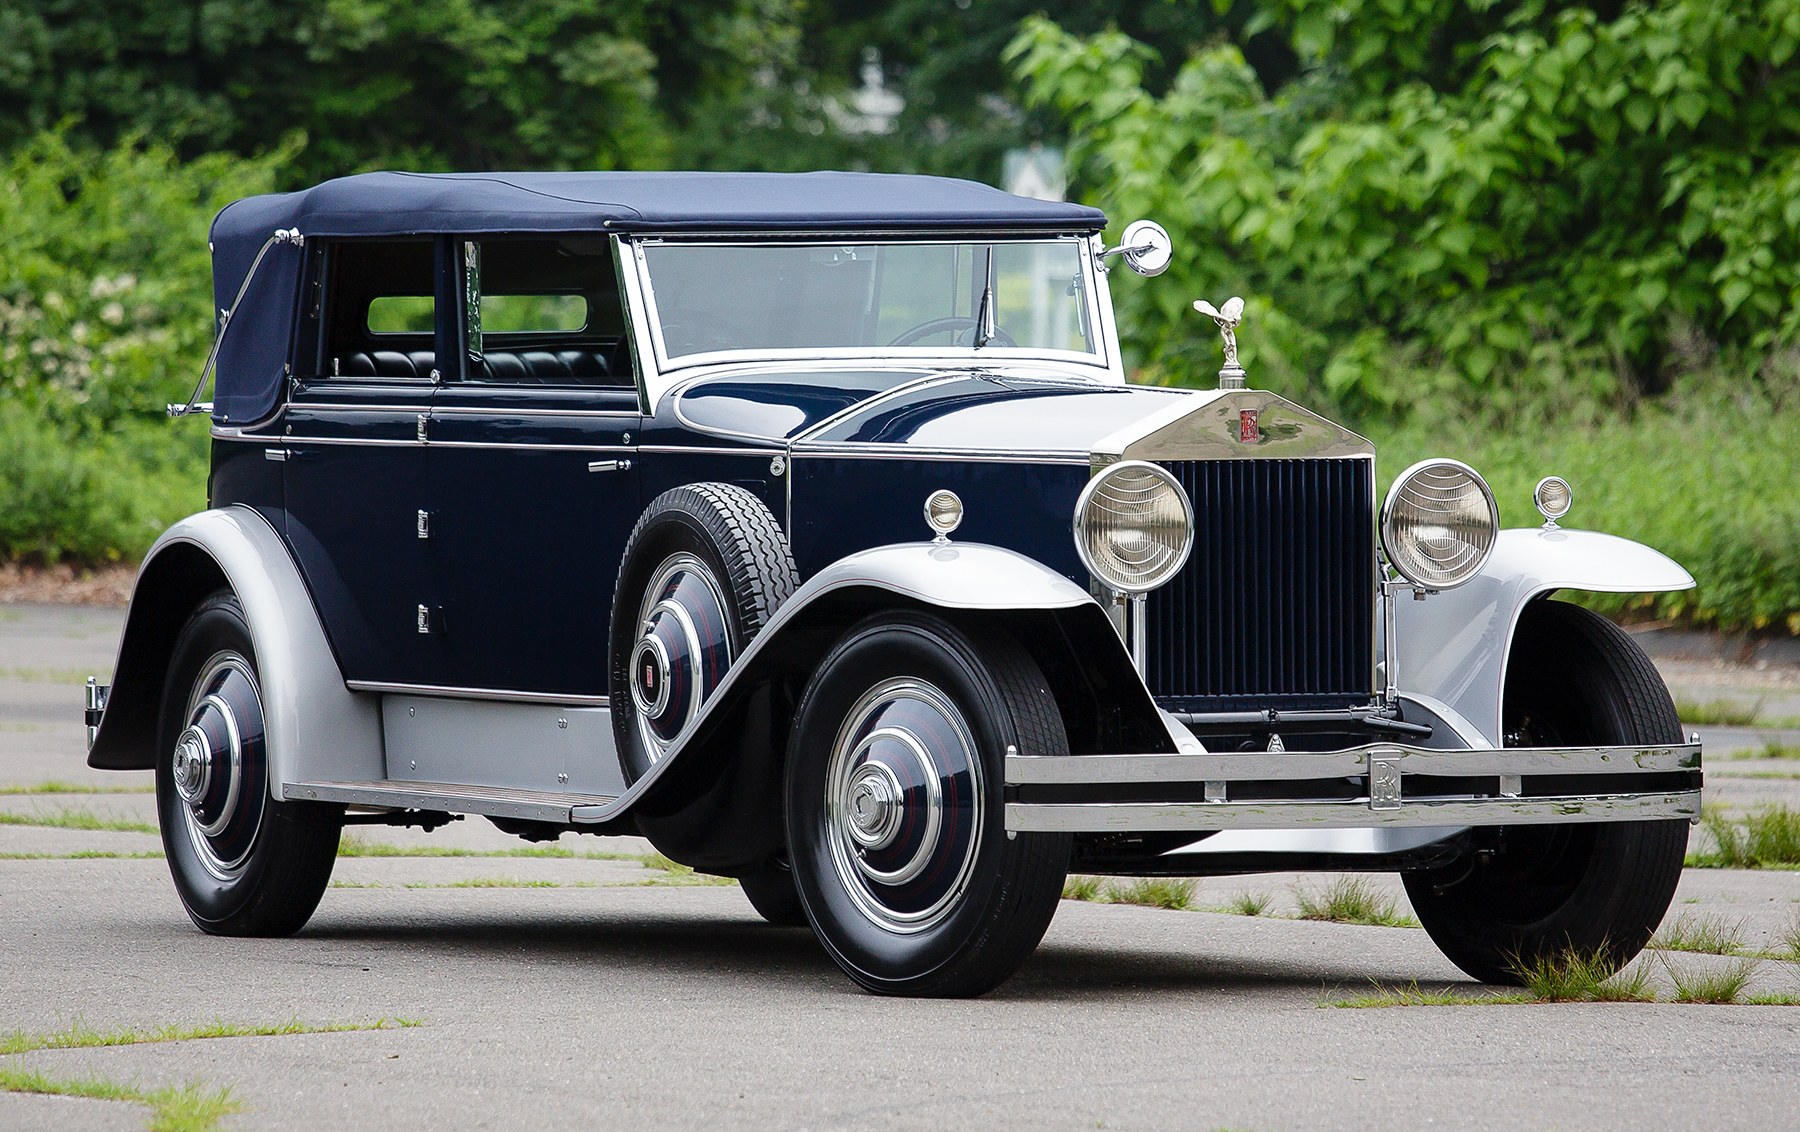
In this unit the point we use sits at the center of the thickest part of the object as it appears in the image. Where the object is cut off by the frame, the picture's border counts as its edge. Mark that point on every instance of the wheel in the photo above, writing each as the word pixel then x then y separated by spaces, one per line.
pixel 953 326
pixel 895 817
pixel 1527 893
pixel 244 864
pixel 704 570
pixel 771 892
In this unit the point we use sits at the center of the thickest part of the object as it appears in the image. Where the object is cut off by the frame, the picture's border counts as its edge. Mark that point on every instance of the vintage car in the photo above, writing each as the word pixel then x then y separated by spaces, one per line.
pixel 807 526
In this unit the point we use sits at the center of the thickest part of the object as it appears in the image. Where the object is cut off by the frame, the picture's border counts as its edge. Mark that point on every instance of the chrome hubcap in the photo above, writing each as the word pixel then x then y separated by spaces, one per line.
pixel 193 764
pixel 682 651
pixel 218 765
pixel 903 804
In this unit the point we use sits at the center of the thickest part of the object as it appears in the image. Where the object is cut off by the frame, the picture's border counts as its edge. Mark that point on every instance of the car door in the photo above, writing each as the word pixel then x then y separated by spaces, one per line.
pixel 355 465
pixel 534 483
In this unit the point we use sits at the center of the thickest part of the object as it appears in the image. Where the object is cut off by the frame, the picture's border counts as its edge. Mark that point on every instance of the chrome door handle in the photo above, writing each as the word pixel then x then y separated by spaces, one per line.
pixel 609 465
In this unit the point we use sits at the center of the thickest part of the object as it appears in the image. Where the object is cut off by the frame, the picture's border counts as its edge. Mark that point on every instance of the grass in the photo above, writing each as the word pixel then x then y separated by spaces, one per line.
pixel 173 1108
pixel 1719 712
pixel 85 855
pixel 1712 986
pixel 35 675
pixel 1774 750
pixel 1790 939
pixel 72 788
pixel 489 882
pixel 353 846
pixel 1351 900
pixel 1764 838
pixel 1249 903
pixel 1083 887
pixel 1411 994
pixel 676 874
pixel 1574 976
pixel 1771 998
pixel 1174 893
pixel 1708 935
pixel 73 817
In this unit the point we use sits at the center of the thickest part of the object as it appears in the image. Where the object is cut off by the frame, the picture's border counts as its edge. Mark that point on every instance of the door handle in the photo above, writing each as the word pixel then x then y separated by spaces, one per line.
pixel 609 465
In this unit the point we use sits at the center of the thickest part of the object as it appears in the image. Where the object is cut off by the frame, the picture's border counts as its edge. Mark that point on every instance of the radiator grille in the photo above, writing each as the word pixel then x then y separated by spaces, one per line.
pixel 1275 608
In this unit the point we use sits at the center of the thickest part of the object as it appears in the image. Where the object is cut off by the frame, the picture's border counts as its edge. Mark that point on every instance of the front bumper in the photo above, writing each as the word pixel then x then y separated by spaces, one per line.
pixel 1507 786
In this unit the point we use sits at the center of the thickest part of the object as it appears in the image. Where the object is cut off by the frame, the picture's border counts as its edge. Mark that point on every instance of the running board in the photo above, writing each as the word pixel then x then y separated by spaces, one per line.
pixel 488 801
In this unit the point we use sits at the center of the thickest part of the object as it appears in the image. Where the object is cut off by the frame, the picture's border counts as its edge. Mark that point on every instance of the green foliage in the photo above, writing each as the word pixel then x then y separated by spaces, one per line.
pixel 459 84
pixel 1766 837
pixel 1714 986
pixel 1174 893
pixel 1525 201
pixel 1351 900
pixel 1690 474
pixel 1709 935
pixel 105 290
pixel 1576 976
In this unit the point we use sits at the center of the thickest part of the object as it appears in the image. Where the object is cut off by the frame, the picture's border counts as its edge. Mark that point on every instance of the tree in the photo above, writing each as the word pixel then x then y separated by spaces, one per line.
pixel 1514 199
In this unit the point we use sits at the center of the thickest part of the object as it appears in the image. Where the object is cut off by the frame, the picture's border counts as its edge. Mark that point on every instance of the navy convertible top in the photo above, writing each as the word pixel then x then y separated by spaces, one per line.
pixel 252 357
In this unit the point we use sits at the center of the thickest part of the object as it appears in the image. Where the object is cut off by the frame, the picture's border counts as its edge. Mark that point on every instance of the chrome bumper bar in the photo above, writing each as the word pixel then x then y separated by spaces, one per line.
pixel 1381 769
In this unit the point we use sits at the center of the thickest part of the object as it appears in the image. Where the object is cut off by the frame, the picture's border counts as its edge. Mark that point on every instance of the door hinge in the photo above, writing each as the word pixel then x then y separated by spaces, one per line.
pixel 424 427
pixel 431 619
pixel 424 524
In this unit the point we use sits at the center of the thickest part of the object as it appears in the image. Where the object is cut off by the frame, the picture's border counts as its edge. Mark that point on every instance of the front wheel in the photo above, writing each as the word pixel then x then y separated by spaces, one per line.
pixel 243 863
pixel 895 816
pixel 1525 894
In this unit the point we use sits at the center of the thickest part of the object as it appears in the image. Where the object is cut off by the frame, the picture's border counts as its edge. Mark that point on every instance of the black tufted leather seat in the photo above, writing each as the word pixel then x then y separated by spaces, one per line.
pixel 608 365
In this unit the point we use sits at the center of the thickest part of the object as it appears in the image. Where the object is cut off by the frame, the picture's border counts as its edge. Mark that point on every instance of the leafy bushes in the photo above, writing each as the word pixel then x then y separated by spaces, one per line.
pixel 1528 201
pixel 105 290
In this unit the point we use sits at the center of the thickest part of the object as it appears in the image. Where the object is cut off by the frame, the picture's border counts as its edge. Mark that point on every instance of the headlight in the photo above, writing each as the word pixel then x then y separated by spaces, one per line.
pixel 1134 526
pixel 1438 524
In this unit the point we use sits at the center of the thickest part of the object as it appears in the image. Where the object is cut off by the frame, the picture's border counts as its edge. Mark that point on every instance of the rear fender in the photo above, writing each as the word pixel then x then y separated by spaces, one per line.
pixel 1454 646
pixel 317 729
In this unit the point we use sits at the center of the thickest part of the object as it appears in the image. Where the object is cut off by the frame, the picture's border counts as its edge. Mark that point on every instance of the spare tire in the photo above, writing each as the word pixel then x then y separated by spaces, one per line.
pixel 705 569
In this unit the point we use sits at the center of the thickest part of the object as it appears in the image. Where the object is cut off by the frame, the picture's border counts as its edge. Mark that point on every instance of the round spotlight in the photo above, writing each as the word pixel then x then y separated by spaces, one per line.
pixel 1134 526
pixel 943 512
pixel 1439 524
pixel 1553 497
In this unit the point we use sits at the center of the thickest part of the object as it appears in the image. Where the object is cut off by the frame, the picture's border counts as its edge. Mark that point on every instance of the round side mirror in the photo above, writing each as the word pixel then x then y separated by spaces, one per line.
pixel 1146 247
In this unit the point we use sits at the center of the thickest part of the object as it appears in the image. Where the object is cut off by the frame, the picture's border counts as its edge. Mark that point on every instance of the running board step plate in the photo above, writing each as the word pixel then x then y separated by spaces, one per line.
pixel 489 801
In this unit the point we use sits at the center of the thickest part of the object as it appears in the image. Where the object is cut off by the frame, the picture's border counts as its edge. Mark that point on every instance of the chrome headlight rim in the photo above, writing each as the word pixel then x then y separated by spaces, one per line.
pixel 1165 572
pixel 1390 538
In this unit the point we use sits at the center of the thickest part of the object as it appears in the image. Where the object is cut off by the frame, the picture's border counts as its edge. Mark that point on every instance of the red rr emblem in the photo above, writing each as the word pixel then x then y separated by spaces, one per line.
pixel 1248 433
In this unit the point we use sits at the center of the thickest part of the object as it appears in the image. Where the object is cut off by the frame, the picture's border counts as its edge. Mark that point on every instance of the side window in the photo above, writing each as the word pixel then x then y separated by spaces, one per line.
pixel 379 314
pixel 543 312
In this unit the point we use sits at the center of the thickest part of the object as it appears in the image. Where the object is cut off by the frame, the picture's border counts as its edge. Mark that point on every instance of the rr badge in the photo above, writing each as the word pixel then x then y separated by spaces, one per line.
pixel 1248 433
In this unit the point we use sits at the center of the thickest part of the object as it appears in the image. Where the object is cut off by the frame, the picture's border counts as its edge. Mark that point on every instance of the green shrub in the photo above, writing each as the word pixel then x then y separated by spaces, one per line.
pixel 105 316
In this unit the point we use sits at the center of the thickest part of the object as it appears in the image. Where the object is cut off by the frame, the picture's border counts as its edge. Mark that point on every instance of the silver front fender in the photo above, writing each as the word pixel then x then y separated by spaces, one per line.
pixel 1454 645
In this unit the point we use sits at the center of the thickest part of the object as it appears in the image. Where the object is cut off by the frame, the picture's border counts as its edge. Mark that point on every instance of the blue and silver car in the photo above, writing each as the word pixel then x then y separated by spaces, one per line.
pixel 807 526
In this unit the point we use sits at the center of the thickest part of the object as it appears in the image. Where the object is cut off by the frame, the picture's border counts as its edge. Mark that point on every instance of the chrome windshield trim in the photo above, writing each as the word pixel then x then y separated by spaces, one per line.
pixel 500 694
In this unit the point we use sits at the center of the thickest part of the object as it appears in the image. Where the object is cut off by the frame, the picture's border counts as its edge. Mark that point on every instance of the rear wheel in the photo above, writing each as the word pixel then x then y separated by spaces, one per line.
pixel 243 863
pixel 895 817
pixel 1527 893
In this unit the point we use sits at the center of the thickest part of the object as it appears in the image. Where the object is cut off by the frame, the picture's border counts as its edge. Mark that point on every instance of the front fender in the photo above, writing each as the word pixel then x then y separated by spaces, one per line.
pixel 316 727
pixel 1052 617
pixel 1453 646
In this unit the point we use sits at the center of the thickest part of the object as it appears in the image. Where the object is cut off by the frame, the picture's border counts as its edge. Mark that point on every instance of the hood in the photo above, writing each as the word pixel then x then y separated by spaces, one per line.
pixel 982 410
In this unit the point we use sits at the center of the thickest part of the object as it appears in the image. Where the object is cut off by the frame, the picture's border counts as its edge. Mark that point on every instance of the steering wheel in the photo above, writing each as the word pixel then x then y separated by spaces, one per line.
pixel 953 326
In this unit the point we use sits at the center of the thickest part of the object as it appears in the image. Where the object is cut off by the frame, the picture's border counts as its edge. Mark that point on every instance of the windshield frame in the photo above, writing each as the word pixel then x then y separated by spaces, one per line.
pixel 1101 362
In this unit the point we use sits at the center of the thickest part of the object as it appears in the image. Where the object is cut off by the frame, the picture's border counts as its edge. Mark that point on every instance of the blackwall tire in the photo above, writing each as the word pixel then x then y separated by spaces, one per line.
pixel 1595 888
pixel 895 815
pixel 705 568
pixel 243 863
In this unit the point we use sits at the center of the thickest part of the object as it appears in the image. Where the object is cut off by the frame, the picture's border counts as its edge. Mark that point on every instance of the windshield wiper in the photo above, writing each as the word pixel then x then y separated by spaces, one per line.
pixel 985 325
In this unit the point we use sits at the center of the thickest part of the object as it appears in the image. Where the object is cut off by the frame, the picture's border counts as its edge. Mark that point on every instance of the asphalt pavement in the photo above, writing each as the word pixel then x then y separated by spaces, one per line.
pixel 606 991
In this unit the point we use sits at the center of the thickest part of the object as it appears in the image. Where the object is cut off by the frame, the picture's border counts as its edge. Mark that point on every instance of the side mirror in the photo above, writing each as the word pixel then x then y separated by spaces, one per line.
pixel 1146 247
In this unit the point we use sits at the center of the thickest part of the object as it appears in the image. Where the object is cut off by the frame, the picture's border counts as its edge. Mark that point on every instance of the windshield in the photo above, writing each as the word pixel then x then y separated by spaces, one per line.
pixel 1028 295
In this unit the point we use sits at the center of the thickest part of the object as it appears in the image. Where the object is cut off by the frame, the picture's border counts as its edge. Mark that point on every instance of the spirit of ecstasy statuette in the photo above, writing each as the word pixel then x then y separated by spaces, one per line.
pixel 1231 376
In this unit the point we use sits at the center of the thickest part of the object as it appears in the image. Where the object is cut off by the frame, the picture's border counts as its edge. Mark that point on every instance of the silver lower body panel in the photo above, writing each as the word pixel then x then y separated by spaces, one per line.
pixel 489 801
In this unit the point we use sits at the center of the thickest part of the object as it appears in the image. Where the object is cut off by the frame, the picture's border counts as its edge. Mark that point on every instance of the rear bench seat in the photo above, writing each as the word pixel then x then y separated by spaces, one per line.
pixel 610 365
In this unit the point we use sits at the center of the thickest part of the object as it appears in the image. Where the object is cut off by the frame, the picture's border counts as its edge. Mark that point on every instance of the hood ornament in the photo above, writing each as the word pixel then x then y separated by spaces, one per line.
pixel 1231 375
